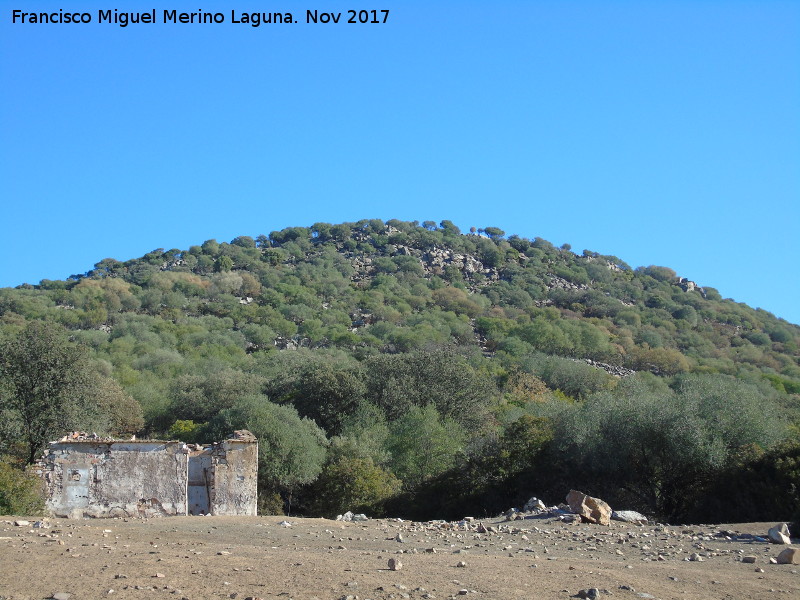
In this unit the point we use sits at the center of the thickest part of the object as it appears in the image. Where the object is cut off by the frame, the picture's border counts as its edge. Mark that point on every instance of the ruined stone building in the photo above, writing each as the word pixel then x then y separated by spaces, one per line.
pixel 93 477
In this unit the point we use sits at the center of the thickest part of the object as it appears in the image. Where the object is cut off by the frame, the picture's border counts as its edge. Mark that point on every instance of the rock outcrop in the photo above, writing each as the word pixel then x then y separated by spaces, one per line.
pixel 789 556
pixel 779 534
pixel 534 505
pixel 590 510
pixel 629 516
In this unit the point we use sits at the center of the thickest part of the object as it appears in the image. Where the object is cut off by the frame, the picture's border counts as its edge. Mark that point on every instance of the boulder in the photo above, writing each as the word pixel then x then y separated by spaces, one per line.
pixel 591 510
pixel 533 505
pixel 349 516
pixel 779 534
pixel 789 556
pixel 749 559
pixel 629 516
pixel 395 564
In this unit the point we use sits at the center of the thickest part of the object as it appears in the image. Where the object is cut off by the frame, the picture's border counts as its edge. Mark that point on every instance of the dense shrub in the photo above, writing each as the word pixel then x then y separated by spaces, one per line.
pixel 351 483
pixel 658 451
pixel 758 485
pixel 20 493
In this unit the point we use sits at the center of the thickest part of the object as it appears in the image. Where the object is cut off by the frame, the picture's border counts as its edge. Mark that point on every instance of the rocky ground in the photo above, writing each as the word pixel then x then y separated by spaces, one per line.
pixel 286 557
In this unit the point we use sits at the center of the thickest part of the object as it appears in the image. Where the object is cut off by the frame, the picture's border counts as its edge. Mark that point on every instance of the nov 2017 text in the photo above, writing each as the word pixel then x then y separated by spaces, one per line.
pixel 200 17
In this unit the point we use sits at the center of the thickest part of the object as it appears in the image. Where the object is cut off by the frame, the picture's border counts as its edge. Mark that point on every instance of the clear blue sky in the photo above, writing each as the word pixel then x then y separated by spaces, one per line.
pixel 664 132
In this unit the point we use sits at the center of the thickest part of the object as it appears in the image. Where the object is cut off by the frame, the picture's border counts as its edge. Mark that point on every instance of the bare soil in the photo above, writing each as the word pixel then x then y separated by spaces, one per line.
pixel 258 557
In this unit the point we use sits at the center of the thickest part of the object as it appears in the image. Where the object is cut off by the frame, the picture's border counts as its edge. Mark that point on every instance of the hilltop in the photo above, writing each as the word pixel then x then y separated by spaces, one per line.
pixel 343 278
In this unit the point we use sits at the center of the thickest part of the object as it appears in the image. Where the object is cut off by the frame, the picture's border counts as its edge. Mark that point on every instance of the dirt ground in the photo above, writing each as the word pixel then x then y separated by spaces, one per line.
pixel 259 557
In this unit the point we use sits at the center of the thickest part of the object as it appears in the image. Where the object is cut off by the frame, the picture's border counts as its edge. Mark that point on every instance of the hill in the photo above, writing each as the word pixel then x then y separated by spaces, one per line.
pixel 383 362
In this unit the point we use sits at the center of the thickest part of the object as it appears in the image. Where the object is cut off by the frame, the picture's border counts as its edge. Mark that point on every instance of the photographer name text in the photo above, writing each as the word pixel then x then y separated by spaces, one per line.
pixel 200 17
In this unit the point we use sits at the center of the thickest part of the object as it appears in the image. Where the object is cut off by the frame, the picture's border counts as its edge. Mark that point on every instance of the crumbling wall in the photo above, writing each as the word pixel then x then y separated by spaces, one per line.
pixel 110 479
pixel 93 477
pixel 234 490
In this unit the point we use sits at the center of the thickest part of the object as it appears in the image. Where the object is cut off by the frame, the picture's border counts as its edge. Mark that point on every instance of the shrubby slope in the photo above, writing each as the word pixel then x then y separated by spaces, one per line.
pixel 416 365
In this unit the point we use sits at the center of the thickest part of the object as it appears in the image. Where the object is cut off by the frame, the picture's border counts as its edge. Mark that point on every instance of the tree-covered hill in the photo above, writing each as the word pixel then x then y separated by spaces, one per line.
pixel 380 361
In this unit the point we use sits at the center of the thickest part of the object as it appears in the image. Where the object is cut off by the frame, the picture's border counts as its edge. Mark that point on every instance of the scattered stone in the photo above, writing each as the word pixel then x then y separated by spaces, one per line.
pixel 569 518
pixel 61 596
pixel 789 556
pixel 695 557
pixel 461 564
pixel 590 593
pixel 748 559
pixel 22 523
pixel 779 534
pixel 159 575
pixel 285 524
pixel 629 516
pixel 592 510
pixel 395 564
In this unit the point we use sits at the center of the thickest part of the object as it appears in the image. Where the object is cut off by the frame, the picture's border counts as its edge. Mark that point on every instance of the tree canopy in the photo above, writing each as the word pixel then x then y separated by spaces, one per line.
pixel 49 386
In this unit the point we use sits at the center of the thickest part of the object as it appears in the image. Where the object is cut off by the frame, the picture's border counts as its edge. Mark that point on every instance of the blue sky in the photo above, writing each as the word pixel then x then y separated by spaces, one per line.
pixel 662 132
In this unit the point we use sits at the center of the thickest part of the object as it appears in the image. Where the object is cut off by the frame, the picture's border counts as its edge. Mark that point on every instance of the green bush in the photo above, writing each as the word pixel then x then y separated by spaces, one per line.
pixel 659 451
pixel 270 503
pixel 352 483
pixel 423 445
pixel 20 493
pixel 765 485
pixel 186 431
